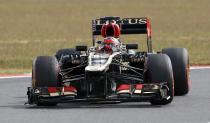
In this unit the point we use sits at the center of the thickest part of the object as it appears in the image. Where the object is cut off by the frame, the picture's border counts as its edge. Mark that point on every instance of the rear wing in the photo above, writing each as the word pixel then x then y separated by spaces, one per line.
pixel 127 26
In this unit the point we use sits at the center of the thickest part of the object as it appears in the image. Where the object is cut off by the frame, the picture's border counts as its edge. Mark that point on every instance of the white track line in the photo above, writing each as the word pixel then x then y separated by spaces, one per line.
pixel 199 67
pixel 28 76
pixel 9 77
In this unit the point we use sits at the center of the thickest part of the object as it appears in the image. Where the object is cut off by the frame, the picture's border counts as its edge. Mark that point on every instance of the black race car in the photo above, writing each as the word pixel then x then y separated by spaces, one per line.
pixel 111 71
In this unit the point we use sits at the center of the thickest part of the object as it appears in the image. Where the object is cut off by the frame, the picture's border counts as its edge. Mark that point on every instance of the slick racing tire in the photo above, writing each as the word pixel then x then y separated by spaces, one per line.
pixel 45 73
pixel 159 69
pixel 67 51
pixel 180 63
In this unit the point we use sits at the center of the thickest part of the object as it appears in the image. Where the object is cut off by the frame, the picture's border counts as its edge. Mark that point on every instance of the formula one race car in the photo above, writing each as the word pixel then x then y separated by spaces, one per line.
pixel 111 71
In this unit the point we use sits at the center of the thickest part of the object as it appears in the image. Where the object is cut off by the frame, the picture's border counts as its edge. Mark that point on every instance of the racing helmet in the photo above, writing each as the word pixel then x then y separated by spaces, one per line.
pixel 110 44
pixel 110 29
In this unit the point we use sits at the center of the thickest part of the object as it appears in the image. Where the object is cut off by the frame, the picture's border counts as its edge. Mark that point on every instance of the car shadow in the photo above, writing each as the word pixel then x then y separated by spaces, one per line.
pixel 88 106
pixel 21 104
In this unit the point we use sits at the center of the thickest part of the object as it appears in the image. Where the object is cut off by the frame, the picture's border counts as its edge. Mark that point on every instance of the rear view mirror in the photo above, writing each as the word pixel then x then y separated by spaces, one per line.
pixel 81 48
pixel 131 46
pixel 98 42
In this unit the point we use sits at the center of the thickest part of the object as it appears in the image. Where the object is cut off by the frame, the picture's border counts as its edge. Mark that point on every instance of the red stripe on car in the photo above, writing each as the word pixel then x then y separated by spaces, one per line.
pixel 52 89
pixel 123 87
pixel 70 89
pixel 139 86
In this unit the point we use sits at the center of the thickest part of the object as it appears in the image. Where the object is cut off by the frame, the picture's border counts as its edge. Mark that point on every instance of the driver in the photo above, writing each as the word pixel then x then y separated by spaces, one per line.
pixel 109 45
pixel 110 32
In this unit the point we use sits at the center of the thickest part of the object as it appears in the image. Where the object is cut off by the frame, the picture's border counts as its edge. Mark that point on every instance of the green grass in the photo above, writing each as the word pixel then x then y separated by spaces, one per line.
pixel 40 27
pixel 14 71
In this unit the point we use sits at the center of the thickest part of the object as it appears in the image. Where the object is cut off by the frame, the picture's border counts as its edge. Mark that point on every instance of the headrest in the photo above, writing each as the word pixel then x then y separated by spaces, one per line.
pixel 110 29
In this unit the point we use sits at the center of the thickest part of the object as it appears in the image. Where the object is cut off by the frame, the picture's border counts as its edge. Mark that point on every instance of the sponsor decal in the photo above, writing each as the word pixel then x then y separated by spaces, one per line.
pixel 137 91
pixel 124 66
pixel 122 21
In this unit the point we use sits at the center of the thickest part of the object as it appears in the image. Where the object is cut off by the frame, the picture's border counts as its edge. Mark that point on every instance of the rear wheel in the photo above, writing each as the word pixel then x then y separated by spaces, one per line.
pixel 159 69
pixel 67 51
pixel 66 63
pixel 45 73
pixel 180 62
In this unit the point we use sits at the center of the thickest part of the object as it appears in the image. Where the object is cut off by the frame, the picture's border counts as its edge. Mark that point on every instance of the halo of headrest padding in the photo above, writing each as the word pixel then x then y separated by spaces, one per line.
pixel 110 29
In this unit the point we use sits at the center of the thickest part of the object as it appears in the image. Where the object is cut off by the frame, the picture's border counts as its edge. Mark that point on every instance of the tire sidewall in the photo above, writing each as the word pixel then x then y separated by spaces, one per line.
pixel 45 72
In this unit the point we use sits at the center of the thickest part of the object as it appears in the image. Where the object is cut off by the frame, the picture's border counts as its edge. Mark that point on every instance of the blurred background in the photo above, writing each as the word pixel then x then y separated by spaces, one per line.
pixel 29 28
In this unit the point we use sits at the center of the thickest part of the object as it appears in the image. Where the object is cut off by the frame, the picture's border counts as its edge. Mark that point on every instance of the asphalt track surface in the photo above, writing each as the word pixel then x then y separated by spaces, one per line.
pixel 192 108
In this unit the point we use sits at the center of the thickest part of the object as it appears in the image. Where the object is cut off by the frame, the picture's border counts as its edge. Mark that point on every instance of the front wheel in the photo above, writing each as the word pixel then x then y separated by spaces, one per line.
pixel 45 73
pixel 159 69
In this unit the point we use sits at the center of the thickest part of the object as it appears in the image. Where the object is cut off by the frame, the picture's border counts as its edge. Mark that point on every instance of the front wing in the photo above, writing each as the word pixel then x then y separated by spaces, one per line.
pixel 149 91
